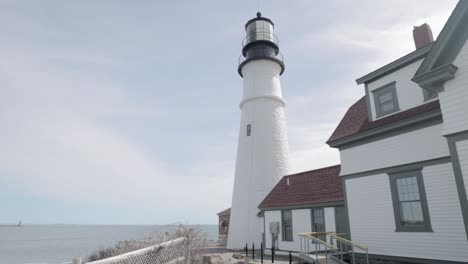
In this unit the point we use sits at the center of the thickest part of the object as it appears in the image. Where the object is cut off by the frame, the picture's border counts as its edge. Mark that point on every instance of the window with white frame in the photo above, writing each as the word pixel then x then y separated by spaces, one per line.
pixel 409 202
pixel 386 100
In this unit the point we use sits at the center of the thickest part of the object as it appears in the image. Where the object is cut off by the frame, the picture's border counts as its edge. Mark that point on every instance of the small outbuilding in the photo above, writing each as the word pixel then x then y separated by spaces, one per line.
pixel 223 223
pixel 310 201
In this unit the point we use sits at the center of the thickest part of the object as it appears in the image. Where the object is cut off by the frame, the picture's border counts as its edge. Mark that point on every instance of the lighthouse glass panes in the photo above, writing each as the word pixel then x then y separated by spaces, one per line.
pixel 260 30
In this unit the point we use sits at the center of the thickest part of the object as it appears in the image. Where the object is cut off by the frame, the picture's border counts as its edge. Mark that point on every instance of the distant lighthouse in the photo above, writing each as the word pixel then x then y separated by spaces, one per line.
pixel 262 152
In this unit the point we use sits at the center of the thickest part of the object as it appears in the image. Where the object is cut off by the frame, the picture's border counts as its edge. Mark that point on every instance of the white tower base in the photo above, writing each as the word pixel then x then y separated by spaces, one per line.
pixel 262 156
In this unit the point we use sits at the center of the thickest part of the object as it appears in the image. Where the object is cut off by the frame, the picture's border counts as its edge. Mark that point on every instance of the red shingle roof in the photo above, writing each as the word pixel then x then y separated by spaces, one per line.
pixel 356 119
pixel 306 188
pixel 225 212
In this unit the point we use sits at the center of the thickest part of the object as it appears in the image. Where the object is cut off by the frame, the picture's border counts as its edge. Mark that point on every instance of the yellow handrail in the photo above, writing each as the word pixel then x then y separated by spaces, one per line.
pixel 310 235
pixel 336 236
pixel 361 246
pixel 322 233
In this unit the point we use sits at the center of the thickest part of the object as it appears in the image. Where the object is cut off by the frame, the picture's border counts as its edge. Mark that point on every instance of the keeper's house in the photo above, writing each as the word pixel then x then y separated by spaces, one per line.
pixel 404 151
pixel 304 202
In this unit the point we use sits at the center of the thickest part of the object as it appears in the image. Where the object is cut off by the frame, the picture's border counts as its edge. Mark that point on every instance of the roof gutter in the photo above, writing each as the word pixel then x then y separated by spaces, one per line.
pixel 395 126
pixel 304 206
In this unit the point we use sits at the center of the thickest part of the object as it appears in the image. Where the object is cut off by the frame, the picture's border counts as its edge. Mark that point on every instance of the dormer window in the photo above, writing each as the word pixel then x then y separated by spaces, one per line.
pixel 386 100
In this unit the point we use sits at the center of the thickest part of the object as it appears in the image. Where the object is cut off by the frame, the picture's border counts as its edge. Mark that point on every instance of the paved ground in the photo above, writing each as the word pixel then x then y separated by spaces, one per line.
pixel 223 256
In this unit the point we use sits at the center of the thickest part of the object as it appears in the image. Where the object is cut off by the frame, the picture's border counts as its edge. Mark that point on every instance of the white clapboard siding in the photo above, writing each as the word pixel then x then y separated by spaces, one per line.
pixel 372 219
pixel 330 219
pixel 454 98
pixel 271 216
pixel 301 223
pixel 418 145
pixel 409 93
pixel 462 148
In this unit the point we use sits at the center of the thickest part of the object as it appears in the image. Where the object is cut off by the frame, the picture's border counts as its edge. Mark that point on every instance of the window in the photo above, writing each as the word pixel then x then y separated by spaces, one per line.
pixel 318 222
pixel 385 99
pixel 409 202
pixel 249 130
pixel 286 223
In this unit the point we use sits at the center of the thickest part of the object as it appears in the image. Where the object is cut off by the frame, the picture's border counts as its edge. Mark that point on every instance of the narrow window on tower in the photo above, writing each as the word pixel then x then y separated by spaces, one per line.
pixel 249 130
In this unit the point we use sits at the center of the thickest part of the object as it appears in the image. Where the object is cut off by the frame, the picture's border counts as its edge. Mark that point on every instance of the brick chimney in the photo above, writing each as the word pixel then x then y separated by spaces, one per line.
pixel 422 35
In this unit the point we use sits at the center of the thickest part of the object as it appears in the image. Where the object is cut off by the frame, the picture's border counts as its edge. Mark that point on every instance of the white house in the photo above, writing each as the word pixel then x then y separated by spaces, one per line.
pixel 303 202
pixel 404 151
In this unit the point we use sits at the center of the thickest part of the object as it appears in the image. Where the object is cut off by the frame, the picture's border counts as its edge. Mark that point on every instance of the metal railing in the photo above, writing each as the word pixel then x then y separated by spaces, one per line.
pixel 345 245
pixel 261 53
pixel 333 246
pixel 214 241
pixel 311 245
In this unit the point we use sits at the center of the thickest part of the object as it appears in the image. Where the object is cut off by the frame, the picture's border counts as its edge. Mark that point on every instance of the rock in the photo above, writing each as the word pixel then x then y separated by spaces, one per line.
pixel 206 260
pixel 212 259
pixel 237 256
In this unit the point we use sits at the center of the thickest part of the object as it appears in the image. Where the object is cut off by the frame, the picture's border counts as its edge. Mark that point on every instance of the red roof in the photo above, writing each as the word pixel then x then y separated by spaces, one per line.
pixel 356 119
pixel 306 188
pixel 225 212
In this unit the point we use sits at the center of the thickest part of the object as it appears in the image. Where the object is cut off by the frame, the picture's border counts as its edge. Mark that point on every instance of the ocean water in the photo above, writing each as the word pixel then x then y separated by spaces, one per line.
pixel 59 244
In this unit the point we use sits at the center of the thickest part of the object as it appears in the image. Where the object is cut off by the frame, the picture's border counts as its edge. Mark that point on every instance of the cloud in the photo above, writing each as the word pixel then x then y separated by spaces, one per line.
pixel 58 140
pixel 99 105
pixel 356 41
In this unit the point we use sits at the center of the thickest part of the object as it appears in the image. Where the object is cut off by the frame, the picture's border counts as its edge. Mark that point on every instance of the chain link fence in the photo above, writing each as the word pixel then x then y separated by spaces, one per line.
pixel 174 251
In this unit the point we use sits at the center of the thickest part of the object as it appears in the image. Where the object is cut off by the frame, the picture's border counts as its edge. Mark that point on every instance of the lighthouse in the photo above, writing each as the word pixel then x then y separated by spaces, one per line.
pixel 262 152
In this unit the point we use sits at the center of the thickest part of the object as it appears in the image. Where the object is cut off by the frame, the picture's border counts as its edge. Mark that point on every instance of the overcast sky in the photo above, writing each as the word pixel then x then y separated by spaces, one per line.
pixel 127 112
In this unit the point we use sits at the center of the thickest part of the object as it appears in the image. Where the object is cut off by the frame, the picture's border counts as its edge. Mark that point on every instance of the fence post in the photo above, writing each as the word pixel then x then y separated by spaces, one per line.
pixel 261 253
pixel 77 261
pixel 246 250
pixel 273 255
pixel 253 251
pixel 186 244
pixel 290 257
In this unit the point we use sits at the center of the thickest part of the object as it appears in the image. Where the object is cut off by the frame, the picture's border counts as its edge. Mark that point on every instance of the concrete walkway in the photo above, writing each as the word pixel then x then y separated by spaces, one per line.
pixel 230 257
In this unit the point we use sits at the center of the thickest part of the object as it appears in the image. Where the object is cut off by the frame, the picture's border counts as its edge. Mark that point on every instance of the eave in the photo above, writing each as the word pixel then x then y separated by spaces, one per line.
pixel 396 65
pixel 382 130
pixel 434 80
pixel 438 66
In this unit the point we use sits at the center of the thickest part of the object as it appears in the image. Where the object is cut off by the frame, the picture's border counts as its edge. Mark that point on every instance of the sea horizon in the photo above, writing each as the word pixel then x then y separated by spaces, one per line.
pixel 60 243
pixel 40 224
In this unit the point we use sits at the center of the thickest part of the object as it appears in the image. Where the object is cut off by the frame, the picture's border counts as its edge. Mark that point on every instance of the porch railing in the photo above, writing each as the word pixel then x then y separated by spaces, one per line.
pixel 322 247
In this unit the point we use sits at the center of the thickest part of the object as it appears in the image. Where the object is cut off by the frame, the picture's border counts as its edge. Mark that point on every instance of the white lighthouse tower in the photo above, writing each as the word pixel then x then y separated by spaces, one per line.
pixel 262 153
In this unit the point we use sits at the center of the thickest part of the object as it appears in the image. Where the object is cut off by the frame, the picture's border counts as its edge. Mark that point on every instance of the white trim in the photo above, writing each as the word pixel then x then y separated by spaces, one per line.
pixel 272 97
